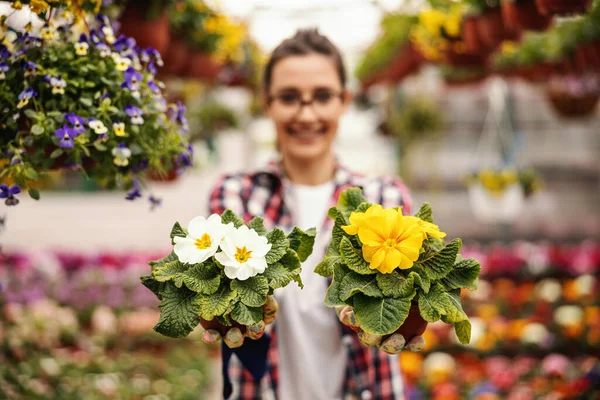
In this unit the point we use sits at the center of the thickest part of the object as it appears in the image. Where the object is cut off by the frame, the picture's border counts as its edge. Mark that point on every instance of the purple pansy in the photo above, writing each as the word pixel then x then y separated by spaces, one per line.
pixel 77 122
pixel 66 134
pixel 181 119
pixel 3 70
pixel 154 55
pixel 154 87
pixel 151 68
pixel 135 191
pixel 30 68
pixel 124 43
pixel 135 114
pixel 185 158
pixel 9 194
pixel 4 52
pixel 154 202
pixel 103 50
pixel 140 166
pixel 132 79
pixel 25 96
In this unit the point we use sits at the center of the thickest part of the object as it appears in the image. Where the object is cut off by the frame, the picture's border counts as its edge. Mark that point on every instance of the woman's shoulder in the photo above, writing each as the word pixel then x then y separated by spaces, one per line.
pixel 389 191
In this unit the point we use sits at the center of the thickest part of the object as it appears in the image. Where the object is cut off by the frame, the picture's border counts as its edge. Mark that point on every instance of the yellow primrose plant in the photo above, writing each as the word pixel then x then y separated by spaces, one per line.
pixel 384 263
pixel 224 270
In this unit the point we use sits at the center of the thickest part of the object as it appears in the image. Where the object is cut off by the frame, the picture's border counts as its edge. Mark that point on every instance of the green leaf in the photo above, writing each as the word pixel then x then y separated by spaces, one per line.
pixel 433 304
pixel 34 194
pixel 337 233
pixel 177 231
pixel 37 129
pixel 56 153
pixel 224 320
pixel 253 291
pixel 155 286
pixel 229 216
pixel 463 275
pixel 245 315
pixel 302 242
pixel 422 279
pixel 258 224
pixel 332 298
pixel 280 276
pixel 202 278
pixel 354 283
pixel 179 312
pixel 86 101
pixel 454 312
pixel 425 213
pixel 353 258
pixel 441 263
pixel 100 146
pixel 279 245
pixel 363 207
pixel 332 258
pixel 463 331
pixel 29 113
pixel 217 303
pixel 159 263
pixel 291 261
pixel 380 316
pixel 349 201
pixel 171 271
pixel 396 285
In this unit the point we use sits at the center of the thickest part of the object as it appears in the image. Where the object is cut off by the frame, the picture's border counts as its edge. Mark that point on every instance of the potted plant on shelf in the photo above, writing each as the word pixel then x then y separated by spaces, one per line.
pixel 87 102
pixel 574 96
pixel 147 21
pixel 524 15
pixel 563 7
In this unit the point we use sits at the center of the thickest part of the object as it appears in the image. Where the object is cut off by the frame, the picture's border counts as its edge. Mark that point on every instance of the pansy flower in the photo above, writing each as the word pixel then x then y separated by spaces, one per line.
pixel 66 134
pixel 30 68
pixel 180 117
pixel 48 32
pixel 109 34
pixel 58 85
pixel 25 96
pixel 154 55
pixel 132 79
pixel 123 63
pixel 9 194
pixel 154 87
pixel 98 126
pixel 103 50
pixel 102 138
pixel 134 192
pixel 4 52
pixel 119 128
pixel 154 202
pixel 151 68
pixel 3 70
pixel 135 114
pixel 124 43
pixel 81 48
pixel 185 158
pixel 121 154
pixel 77 122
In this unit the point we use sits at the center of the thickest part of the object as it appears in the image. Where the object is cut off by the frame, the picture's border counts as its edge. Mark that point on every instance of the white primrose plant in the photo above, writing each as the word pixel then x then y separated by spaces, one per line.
pixel 223 269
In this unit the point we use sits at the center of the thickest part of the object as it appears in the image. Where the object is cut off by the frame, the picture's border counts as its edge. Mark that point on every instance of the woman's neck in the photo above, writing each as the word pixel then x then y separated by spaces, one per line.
pixel 309 173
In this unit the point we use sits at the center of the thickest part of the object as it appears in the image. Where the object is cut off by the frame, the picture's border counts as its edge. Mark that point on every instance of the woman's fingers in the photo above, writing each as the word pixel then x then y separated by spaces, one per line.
pixel 234 338
pixel 368 339
pixel 415 344
pixel 256 331
pixel 347 317
pixel 394 344
pixel 270 310
pixel 210 336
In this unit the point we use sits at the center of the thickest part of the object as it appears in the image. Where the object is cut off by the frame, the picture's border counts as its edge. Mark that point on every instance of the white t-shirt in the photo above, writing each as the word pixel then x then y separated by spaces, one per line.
pixel 312 356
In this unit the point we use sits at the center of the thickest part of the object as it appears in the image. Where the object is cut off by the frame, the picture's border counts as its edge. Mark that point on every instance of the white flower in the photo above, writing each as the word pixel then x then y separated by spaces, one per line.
pixel 122 155
pixel 81 48
pixel 534 333
pixel 243 253
pixel 122 62
pixel 568 315
pixel 549 290
pixel 109 35
pixel 202 241
pixel 97 126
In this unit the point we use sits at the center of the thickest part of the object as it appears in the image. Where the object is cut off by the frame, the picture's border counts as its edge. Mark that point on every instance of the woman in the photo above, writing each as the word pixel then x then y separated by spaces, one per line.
pixel 310 355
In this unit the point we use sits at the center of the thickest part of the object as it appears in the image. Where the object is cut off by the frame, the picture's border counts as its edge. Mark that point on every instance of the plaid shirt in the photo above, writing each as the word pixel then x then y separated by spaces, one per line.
pixel 371 374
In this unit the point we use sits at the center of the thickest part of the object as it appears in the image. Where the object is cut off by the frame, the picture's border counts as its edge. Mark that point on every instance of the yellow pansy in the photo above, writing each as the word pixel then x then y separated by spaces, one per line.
pixel 389 239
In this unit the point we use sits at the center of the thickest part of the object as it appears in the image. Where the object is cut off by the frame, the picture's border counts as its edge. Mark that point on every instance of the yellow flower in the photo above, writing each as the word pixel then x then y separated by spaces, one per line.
pixel 81 48
pixel 428 228
pixel 389 239
pixel 17 5
pixel 432 20
pixel 38 6
pixel 508 48
pixel 119 128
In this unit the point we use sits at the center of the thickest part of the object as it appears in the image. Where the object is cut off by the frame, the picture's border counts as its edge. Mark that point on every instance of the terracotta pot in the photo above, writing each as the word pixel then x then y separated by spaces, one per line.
pixel 414 325
pixel 222 329
pixel 569 106
pixel 524 15
pixel 146 32
pixel 373 79
pixel 202 66
pixel 465 59
pixel 470 35
pixel 171 176
pixel 537 73
pixel 587 57
pixel 407 61
pixel 175 58
pixel 491 27
pixel 563 7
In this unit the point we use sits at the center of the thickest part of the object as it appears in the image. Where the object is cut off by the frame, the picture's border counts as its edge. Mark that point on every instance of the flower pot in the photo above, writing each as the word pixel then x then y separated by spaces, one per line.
pixel 587 57
pixel 471 36
pixel 407 61
pixel 524 15
pixel 536 73
pixel 170 176
pixel 174 58
pixel 465 59
pixel 491 27
pixel 202 66
pixel 563 7
pixel 146 32
pixel 414 324
pixel 570 106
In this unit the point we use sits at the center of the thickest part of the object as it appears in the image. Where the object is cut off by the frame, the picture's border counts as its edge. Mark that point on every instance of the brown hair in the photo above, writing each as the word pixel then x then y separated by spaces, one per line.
pixel 304 42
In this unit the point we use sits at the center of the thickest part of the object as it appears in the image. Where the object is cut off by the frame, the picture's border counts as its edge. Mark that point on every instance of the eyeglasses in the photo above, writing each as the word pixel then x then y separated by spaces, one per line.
pixel 323 101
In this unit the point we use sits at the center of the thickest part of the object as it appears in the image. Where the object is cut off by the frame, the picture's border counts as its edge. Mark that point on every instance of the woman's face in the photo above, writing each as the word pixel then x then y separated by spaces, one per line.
pixel 305 101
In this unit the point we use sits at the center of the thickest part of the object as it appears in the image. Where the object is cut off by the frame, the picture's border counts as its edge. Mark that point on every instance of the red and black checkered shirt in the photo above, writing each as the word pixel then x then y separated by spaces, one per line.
pixel 371 373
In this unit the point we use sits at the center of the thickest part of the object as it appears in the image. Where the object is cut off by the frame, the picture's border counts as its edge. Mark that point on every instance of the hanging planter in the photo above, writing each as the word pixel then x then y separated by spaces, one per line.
pixel 587 57
pixel 563 7
pixel 491 27
pixel 503 207
pixel 524 15
pixel 470 34
pixel 404 63
pixel 203 66
pixel 574 97
pixel 147 23
pixel 175 58
pixel 458 59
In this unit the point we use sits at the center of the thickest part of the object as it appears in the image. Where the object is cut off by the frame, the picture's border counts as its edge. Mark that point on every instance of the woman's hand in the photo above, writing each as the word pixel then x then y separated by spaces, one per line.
pixel 233 336
pixel 391 344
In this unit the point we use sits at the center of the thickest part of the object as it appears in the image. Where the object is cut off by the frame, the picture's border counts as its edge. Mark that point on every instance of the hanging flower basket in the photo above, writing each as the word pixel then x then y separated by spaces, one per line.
pixel 491 27
pixel 203 66
pixel 148 30
pixel 470 34
pixel 587 57
pixel 524 15
pixel 501 207
pixel 563 7
pixel 574 97
pixel 404 63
